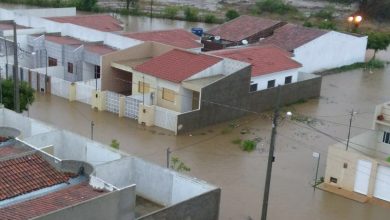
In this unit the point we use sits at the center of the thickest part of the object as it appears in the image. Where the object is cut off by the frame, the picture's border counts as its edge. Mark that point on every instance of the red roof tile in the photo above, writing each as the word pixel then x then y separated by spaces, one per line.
pixel 99 48
pixel 291 36
pixel 91 47
pixel 176 37
pixel 25 174
pixel 177 65
pixel 100 22
pixel 63 40
pixel 49 202
pixel 11 150
pixel 242 27
pixel 6 27
pixel 264 59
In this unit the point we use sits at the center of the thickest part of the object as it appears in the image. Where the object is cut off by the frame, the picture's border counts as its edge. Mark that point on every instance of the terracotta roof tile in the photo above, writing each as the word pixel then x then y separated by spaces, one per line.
pixel 25 174
pixel 291 36
pixel 11 150
pixel 177 65
pixel 91 47
pixel 49 202
pixel 176 37
pixel 99 48
pixel 65 40
pixel 242 27
pixel 100 22
pixel 264 59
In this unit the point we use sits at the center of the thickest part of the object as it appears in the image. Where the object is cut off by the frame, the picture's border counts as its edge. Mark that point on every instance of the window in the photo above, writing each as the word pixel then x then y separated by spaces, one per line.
pixel 97 72
pixel 288 80
pixel 271 84
pixel 386 137
pixel 52 61
pixel 70 67
pixel 143 87
pixel 168 95
pixel 253 88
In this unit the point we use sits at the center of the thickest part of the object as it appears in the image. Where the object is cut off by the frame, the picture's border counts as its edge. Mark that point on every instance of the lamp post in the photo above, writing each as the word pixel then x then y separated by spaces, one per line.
pixel 355 21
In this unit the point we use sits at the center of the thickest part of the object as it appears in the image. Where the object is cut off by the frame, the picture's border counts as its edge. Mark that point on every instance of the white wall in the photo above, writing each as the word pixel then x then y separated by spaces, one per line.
pixel 185 187
pixel 47 12
pixel 213 70
pixel 88 71
pixel 186 99
pixel 121 177
pixel 279 77
pixel 331 50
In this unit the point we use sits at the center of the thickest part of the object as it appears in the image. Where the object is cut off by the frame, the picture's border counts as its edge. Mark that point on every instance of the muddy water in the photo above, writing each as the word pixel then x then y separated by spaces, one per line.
pixel 212 156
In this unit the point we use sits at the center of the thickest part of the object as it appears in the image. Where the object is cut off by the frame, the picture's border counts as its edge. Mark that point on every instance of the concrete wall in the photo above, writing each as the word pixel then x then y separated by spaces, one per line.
pixel 201 207
pixel 122 176
pixel 331 50
pixel 229 98
pixel 47 12
pixel 113 205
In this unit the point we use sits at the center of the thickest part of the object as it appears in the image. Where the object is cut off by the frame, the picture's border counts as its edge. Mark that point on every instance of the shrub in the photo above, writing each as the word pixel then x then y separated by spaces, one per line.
pixel 308 24
pixel 210 18
pixel 170 12
pixel 388 159
pixel 275 6
pixel 231 14
pixel 114 144
pixel 325 13
pixel 326 24
pixel 248 145
pixel 178 165
pixel 191 13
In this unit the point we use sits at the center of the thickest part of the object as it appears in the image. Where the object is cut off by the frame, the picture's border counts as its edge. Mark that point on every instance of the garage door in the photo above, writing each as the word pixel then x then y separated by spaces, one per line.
pixel 362 179
pixel 382 183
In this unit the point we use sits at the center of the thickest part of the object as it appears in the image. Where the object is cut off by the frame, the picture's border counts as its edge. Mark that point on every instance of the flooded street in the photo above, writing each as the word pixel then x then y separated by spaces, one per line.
pixel 212 155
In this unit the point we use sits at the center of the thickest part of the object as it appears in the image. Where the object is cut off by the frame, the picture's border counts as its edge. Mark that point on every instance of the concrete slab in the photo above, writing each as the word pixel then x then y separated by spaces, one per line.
pixel 344 193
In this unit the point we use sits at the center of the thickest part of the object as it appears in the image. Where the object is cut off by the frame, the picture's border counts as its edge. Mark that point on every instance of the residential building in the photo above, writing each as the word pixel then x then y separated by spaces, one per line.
pixel 242 30
pixel 271 66
pixel 175 37
pixel 55 174
pixel 363 167
pixel 319 50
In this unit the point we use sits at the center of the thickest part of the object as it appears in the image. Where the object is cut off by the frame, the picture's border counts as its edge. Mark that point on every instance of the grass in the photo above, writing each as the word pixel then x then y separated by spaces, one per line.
pixel 248 145
pixel 372 64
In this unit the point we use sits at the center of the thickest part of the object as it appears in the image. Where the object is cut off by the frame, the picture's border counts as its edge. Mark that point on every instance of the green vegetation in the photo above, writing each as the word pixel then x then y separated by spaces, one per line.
pixel 171 12
pixel 25 91
pixel 378 41
pixel 248 145
pixel 274 6
pixel 191 13
pixel 237 141
pixel 325 13
pixel 327 24
pixel 115 144
pixel 372 64
pixel 388 159
pixel 231 14
pixel 178 165
pixel 210 18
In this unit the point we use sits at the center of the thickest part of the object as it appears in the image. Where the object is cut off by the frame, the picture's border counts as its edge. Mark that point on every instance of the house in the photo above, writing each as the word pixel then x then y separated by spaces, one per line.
pixel 66 57
pixel 363 167
pixel 271 66
pixel 100 22
pixel 242 30
pixel 175 37
pixel 48 173
pixel 318 50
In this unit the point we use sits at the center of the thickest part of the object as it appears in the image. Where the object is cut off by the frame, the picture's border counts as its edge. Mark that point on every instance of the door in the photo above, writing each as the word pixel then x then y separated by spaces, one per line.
pixel 195 100
pixel 362 178
pixel 382 183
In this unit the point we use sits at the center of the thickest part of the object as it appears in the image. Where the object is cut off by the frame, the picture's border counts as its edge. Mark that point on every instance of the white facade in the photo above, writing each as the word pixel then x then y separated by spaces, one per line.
pixel 279 77
pixel 331 50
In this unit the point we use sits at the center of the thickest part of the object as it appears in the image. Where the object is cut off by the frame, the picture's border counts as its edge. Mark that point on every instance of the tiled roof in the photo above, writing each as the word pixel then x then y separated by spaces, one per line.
pixel 242 27
pixel 264 59
pixel 5 27
pixel 99 48
pixel 25 174
pixel 65 40
pixel 291 36
pixel 7 151
pixel 177 65
pixel 50 202
pixel 176 37
pixel 100 22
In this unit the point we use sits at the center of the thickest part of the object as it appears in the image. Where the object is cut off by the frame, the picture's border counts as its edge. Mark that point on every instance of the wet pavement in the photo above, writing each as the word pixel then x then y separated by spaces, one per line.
pixel 212 155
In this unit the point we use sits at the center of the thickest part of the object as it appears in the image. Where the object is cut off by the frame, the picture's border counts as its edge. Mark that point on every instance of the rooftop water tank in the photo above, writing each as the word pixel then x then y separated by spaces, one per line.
pixel 197 31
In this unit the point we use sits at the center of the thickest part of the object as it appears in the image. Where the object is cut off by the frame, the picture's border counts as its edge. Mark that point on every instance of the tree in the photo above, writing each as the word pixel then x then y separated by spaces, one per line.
pixel 378 41
pixel 131 2
pixel 231 14
pixel 25 91
pixel 86 5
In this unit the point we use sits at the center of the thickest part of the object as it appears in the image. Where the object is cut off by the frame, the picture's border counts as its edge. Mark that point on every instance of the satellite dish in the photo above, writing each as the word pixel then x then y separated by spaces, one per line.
pixel 217 37
pixel 244 42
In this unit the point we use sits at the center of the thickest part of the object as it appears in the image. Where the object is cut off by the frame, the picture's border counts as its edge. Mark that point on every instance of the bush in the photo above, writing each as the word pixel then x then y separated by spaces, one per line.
pixel 231 14
pixel 171 12
pixel 115 144
pixel 248 145
pixel 191 13
pixel 388 159
pixel 275 6
pixel 210 18
pixel 308 24
pixel 326 24
pixel 325 13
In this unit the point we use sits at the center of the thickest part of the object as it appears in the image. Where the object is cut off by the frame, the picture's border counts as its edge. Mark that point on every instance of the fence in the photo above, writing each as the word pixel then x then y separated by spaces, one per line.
pixel 131 107
pixel 60 87
pixel 84 92
pixel 112 102
pixel 165 118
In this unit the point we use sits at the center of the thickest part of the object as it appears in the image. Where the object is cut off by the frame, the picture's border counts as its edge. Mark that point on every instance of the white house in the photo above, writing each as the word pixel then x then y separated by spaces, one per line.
pixel 364 167
pixel 271 66
pixel 318 50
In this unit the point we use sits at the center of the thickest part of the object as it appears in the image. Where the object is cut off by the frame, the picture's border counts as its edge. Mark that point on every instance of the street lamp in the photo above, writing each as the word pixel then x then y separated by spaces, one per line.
pixel 355 20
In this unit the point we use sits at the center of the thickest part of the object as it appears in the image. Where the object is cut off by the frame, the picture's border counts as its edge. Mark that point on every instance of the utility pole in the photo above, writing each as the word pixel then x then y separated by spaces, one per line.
pixel 318 156
pixel 271 157
pixel 349 129
pixel 151 8
pixel 6 58
pixel 16 72
pixel 168 156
